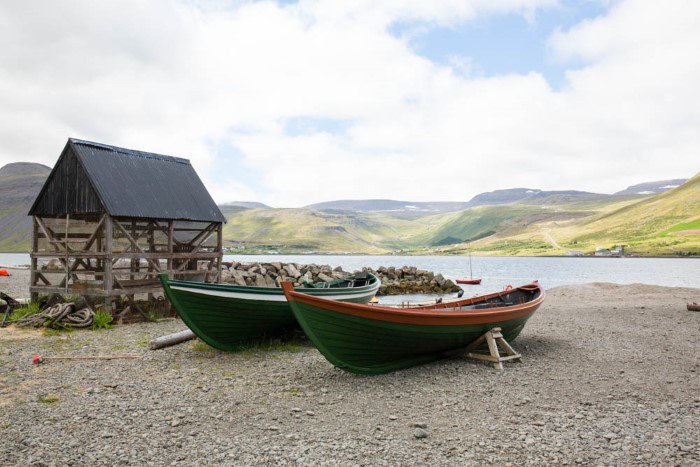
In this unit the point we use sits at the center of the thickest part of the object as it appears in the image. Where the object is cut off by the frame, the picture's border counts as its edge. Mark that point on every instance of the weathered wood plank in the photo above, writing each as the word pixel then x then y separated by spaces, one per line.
pixel 171 339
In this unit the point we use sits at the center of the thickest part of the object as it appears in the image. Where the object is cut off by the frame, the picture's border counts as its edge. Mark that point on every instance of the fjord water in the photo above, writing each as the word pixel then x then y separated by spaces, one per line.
pixel 497 272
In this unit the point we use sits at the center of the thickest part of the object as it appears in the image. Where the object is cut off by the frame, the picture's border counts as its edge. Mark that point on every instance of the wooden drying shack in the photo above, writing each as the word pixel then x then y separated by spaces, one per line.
pixel 109 219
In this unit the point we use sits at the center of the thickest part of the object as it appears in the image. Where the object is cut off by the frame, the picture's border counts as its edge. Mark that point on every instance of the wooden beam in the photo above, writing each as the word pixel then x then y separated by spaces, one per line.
pixel 94 235
pixel 219 250
pixel 135 244
pixel 48 233
pixel 33 277
pixel 109 238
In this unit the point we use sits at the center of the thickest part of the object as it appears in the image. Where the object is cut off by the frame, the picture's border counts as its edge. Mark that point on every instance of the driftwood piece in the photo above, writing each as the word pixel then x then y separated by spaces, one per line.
pixel 171 339
pixel 38 358
pixel 693 307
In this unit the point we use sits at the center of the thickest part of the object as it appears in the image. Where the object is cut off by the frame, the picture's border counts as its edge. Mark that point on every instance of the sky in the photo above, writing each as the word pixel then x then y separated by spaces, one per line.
pixel 291 103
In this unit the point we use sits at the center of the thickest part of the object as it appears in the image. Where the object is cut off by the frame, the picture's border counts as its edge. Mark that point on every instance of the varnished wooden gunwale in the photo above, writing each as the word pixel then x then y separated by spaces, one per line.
pixel 441 314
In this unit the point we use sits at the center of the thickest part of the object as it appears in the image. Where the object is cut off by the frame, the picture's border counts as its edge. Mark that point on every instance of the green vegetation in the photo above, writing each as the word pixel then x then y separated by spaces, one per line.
pixel 203 347
pixel 57 330
pixel 663 224
pixel 290 346
pixel 693 225
pixel 48 399
pixel 102 320
pixel 28 309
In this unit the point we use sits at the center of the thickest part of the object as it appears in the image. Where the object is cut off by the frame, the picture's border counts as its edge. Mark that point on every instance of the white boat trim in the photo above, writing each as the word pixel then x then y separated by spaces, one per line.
pixel 272 297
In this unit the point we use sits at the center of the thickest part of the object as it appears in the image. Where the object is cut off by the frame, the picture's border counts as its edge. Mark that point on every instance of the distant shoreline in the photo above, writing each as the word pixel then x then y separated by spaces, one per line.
pixel 419 256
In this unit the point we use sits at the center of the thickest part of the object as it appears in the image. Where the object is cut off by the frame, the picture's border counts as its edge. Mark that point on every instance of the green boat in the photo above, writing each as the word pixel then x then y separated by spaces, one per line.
pixel 229 317
pixel 368 339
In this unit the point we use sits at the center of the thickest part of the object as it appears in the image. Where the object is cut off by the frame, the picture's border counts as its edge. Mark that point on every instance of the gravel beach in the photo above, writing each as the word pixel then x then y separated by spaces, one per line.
pixel 609 377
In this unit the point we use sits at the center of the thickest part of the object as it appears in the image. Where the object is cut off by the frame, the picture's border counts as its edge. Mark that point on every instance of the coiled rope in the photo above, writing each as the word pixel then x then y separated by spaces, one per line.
pixel 61 313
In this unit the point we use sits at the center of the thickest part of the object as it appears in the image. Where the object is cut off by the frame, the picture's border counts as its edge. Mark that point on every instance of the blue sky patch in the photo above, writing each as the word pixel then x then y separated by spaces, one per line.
pixel 500 44
pixel 229 163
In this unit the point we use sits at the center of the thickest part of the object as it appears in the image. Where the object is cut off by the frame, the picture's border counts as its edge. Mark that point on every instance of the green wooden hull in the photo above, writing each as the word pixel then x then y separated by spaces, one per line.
pixel 229 317
pixel 355 339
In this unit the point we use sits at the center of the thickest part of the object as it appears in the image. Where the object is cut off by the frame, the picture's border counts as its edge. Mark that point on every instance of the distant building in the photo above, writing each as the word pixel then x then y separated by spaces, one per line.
pixel 575 253
pixel 616 251
pixel 600 251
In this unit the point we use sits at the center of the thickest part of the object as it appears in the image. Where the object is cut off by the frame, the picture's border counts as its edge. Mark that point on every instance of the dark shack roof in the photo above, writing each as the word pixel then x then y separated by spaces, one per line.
pixel 92 177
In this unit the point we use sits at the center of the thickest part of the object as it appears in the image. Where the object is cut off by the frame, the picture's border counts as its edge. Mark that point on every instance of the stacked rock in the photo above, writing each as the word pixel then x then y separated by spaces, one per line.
pixel 395 281
pixel 411 280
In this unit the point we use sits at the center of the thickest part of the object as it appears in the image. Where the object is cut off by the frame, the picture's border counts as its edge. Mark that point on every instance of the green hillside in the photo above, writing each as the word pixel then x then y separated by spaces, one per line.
pixel 667 223
pixel 543 223
pixel 308 231
pixel 662 224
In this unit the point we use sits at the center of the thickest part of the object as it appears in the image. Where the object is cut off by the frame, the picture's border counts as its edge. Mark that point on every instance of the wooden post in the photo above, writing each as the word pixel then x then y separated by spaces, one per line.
pixel 34 296
pixel 151 249
pixel 171 228
pixel 65 246
pixel 109 233
pixel 135 262
pixel 220 250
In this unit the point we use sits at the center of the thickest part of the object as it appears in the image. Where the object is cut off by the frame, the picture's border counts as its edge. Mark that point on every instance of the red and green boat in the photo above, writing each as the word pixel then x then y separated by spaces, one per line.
pixel 367 339
pixel 229 317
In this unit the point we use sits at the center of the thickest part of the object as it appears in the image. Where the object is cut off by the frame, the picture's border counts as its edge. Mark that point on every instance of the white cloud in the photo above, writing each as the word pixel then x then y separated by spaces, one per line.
pixel 186 78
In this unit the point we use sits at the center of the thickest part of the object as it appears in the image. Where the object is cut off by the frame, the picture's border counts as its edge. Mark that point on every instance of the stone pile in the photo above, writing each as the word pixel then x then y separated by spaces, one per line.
pixel 395 281
pixel 411 280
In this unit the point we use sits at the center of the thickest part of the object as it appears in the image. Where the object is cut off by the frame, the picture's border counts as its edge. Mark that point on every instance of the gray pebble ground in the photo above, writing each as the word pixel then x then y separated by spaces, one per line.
pixel 609 377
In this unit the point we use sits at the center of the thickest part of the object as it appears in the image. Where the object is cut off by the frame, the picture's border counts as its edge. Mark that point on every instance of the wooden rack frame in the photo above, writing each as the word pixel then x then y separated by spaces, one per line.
pixel 108 257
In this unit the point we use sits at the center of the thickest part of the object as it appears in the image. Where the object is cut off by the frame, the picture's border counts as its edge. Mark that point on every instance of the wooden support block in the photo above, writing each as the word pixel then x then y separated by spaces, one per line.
pixel 495 341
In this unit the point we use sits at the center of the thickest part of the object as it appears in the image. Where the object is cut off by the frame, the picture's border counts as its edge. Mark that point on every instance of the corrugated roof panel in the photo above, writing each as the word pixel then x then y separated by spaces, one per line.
pixel 134 183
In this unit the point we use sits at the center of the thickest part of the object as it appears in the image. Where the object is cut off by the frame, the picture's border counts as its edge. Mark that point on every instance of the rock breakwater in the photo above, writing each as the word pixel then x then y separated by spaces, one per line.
pixel 395 281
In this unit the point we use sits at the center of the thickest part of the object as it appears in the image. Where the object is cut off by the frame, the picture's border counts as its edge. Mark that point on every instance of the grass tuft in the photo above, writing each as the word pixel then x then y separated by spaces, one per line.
pixel 48 399
pixel 102 320
pixel 29 309
pixel 200 346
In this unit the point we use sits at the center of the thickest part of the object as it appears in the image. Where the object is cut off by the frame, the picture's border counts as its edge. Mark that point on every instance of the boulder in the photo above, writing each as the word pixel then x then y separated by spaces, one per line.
pixel 324 278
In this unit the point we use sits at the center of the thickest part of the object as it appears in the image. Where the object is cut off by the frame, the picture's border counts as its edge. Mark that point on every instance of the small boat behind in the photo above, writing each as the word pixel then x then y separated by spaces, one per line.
pixel 229 317
pixel 469 281
pixel 368 339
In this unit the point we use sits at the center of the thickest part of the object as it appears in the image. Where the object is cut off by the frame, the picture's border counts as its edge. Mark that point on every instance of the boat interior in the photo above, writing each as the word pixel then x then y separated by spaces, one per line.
pixel 513 297
pixel 359 279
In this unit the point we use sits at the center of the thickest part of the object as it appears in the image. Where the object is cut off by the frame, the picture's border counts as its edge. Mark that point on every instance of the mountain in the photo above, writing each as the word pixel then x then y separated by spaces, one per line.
pixel 491 198
pixel 313 231
pixel 518 221
pixel 515 195
pixel 388 205
pixel 651 188
pixel 20 183
pixel 24 169
pixel 245 204
pixel 666 223
pixel 497 197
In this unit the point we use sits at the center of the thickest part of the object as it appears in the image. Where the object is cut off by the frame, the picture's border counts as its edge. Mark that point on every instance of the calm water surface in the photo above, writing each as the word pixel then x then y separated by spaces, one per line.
pixel 496 272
